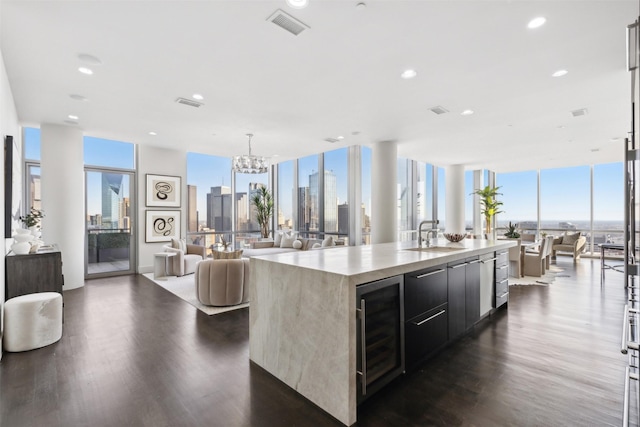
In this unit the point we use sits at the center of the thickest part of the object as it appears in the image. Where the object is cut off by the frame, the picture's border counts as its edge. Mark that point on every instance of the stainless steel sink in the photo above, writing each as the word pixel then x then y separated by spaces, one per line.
pixel 436 249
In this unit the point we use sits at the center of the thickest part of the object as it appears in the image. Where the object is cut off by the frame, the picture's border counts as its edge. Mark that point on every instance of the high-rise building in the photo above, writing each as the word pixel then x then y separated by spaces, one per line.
pixel 192 208
pixel 242 211
pixel 343 219
pixel 124 213
pixel 304 209
pixel 111 194
pixel 219 208
pixel 330 201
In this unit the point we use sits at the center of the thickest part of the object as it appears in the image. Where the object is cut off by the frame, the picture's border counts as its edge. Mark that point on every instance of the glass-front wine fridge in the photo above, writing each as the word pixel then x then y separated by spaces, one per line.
pixel 380 334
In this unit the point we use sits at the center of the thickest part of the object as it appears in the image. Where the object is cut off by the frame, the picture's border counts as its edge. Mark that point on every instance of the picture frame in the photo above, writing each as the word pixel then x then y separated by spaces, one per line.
pixel 162 226
pixel 163 191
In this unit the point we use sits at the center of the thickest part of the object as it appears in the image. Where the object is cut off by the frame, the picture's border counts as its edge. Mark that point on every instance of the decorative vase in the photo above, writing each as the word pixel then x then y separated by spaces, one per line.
pixel 21 248
pixel 35 231
pixel 19 238
pixel 22 231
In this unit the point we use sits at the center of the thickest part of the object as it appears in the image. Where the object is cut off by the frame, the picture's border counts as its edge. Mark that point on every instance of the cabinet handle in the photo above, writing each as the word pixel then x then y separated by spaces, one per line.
pixel 430 273
pixel 484 261
pixel 502 281
pixel 429 318
pixel 504 295
pixel 474 261
pixel 501 268
pixel 458 266
pixel 363 345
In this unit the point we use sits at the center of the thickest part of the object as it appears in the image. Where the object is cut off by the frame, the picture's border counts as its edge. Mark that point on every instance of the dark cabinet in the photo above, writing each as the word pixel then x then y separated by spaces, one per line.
pixel 31 273
pixel 472 292
pixel 457 297
pixel 426 328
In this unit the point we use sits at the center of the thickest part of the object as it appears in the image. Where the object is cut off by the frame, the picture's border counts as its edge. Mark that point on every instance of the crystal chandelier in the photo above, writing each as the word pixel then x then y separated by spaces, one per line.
pixel 249 163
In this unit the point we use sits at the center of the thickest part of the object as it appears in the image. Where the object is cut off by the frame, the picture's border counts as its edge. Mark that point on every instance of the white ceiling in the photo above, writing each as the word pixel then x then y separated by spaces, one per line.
pixel 340 77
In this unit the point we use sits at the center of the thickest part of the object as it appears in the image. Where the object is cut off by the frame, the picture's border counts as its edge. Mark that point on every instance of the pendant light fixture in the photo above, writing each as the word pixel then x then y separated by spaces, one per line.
pixel 250 163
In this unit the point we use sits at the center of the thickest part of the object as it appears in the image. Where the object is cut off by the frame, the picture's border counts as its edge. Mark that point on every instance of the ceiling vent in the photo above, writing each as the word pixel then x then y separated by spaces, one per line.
pixel 189 102
pixel 580 112
pixel 332 140
pixel 439 110
pixel 288 22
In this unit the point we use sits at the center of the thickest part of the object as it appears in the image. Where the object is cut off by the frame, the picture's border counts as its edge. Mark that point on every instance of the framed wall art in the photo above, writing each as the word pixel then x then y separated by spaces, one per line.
pixel 162 226
pixel 163 191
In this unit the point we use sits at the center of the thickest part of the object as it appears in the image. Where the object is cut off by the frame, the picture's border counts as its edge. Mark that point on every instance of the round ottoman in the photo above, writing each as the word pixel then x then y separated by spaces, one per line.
pixel 32 321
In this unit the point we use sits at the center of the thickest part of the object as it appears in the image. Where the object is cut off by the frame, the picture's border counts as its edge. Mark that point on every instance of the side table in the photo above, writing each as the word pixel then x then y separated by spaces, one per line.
pixel 161 259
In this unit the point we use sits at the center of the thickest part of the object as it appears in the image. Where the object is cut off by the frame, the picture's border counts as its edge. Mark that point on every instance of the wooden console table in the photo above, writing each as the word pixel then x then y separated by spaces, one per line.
pixel 31 273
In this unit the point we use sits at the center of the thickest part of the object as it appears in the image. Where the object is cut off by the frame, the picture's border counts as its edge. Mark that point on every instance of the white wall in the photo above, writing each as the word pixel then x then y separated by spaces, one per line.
pixel 8 126
pixel 159 161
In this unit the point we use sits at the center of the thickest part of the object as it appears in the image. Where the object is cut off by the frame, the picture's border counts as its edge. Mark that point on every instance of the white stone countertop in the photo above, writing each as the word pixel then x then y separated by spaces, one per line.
pixel 362 264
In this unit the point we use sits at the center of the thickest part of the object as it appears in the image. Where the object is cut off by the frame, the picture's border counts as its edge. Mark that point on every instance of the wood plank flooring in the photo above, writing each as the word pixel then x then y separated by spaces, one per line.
pixel 133 354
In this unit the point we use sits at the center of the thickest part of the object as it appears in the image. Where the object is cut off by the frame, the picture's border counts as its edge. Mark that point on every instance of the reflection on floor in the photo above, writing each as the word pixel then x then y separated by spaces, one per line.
pixel 108 267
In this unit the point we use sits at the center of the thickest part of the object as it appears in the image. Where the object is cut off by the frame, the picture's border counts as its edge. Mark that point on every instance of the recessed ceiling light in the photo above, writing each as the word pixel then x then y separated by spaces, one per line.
pixel 560 73
pixel 340 138
pixel 537 22
pixel 467 112
pixel 197 96
pixel 73 117
pixel 152 133
pixel 85 70
pixel 361 6
pixel 89 59
pixel 408 74
pixel 298 4
pixel 77 97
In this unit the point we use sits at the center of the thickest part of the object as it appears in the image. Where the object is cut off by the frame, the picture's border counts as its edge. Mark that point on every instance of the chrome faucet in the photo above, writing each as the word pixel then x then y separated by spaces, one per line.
pixel 425 243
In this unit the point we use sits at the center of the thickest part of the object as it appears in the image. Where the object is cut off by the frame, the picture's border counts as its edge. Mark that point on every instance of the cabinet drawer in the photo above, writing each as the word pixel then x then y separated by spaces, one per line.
pixel 424 290
pixel 502 258
pixel 425 334
pixel 502 286
pixel 502 273
pixel 502 299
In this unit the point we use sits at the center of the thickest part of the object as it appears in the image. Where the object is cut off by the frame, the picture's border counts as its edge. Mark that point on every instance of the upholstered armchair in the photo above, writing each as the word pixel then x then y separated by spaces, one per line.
pixel 222 282
pixel 572 243
pixel 186 257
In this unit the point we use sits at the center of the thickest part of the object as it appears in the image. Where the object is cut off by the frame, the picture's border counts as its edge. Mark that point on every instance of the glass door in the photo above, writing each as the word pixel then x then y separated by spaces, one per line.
pixel 109 223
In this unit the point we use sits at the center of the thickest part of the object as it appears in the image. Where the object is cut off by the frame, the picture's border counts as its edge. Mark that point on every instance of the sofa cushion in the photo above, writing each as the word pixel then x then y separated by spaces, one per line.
pixel 227 255
pixel 287 240
pixel 570 239
pixel 328 242
pixel 261 245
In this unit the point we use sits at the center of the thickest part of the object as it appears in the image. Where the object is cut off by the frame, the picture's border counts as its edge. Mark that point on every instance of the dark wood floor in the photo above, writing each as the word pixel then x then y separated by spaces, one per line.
pixel 133 354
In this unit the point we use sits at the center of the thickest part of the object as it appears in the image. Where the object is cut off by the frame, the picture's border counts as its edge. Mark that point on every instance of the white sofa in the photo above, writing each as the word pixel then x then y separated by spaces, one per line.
pixel 269 247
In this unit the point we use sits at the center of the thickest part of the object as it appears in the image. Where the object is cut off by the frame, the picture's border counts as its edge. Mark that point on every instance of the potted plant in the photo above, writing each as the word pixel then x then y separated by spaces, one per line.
pixel 511 232
pixel 263 201
pixel 32 219
pixel 490 206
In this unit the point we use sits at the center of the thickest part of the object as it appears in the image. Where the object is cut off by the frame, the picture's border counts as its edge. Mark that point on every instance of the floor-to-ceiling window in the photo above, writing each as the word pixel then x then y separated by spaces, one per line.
pixel 209 178
pixel 286 196
pixel 365 209
pixel 32 195
pixel 519 195
pixel 565 199
pixel 308 197
pixel 468 201
pixel 109 201
pixel 405 199
pixel 336 187
pixel 247 227
pixel 441 198
pixel 608 204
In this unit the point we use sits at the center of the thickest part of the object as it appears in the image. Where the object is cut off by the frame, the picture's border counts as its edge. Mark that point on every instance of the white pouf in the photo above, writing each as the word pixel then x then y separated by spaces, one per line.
pixel 32 321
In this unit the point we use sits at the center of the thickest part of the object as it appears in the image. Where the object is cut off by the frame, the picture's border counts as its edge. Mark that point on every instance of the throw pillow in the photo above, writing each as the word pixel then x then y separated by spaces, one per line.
pixel 227 255
pixel 570 239
pixel 328 242
pixel 278 239
pixel 179 244
pixel 297 244
pixel 287 240
pixel 316 246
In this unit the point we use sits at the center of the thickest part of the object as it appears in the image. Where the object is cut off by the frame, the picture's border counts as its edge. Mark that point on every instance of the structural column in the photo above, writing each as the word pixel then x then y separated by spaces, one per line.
pixel 62 187
pixel 384 165
pixel 454 202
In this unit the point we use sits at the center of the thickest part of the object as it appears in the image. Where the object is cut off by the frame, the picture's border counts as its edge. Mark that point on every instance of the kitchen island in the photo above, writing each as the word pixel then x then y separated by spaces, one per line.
pixel 303 311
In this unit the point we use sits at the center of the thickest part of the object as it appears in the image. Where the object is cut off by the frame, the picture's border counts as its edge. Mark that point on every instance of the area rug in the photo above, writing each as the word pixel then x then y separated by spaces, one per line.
pixel 549 277
pixel 185 288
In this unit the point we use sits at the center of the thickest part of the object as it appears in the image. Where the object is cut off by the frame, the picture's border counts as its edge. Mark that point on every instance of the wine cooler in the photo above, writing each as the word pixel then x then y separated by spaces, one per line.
pixel 380 334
